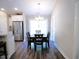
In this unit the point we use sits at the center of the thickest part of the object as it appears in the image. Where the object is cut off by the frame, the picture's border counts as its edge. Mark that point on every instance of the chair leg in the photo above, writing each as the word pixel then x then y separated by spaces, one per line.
pixel 45 44
pixel 30 44
pixel 5 51
pixel 35 47
pixel 48 44
pixel 42 46
pixel 5 56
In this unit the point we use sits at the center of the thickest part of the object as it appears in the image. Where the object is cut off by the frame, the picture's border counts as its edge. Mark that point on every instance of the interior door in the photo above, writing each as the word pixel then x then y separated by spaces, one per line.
pixel 18 30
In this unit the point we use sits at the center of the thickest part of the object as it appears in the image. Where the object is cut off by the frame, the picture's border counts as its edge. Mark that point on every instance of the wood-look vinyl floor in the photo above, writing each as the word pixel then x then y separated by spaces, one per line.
pixel 22 52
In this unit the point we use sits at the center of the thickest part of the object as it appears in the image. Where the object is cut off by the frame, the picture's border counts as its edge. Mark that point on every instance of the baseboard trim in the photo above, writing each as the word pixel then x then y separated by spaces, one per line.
pixel 61 51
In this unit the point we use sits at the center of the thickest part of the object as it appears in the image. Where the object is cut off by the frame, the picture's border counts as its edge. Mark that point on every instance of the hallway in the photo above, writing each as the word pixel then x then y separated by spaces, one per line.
pixel 23 53
pixel 59 17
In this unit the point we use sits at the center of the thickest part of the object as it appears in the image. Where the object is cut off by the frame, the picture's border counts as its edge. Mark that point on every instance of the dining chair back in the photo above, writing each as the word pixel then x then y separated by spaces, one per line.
pixel 3 50
pixel 38 40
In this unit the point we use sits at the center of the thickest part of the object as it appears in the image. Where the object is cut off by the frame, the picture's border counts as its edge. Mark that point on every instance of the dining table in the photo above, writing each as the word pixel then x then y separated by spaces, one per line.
pixel 38 38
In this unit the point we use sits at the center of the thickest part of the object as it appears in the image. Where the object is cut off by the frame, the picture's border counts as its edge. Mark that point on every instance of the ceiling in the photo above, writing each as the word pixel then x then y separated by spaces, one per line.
pixel 76 0
pixel 30 7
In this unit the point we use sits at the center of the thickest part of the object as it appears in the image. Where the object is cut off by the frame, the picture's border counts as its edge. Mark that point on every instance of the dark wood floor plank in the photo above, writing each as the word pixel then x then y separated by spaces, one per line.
pixel 22 52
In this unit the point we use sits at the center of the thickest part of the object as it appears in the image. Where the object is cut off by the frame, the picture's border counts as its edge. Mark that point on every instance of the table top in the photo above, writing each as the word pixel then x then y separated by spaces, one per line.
pixel 38 34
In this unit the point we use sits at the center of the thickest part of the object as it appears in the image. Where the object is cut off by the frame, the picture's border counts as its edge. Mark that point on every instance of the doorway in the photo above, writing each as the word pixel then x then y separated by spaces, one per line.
pixel 18 30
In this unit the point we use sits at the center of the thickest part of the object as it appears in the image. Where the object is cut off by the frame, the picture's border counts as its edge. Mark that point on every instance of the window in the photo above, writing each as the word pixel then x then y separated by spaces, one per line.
pixel 38 26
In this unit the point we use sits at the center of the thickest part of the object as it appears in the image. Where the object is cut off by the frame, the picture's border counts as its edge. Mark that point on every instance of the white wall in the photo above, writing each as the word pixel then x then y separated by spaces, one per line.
pixel 76 31
pixel 8 36
pixel 10 44
pixel 19 18
pixel 52 36
pixel 63 15
pixel 3 23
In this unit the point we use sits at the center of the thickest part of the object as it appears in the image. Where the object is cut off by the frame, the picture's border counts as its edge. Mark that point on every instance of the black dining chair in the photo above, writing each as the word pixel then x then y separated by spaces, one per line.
pixel 3 50
pixel 39 41
pixel 38 35
pixel 30 39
